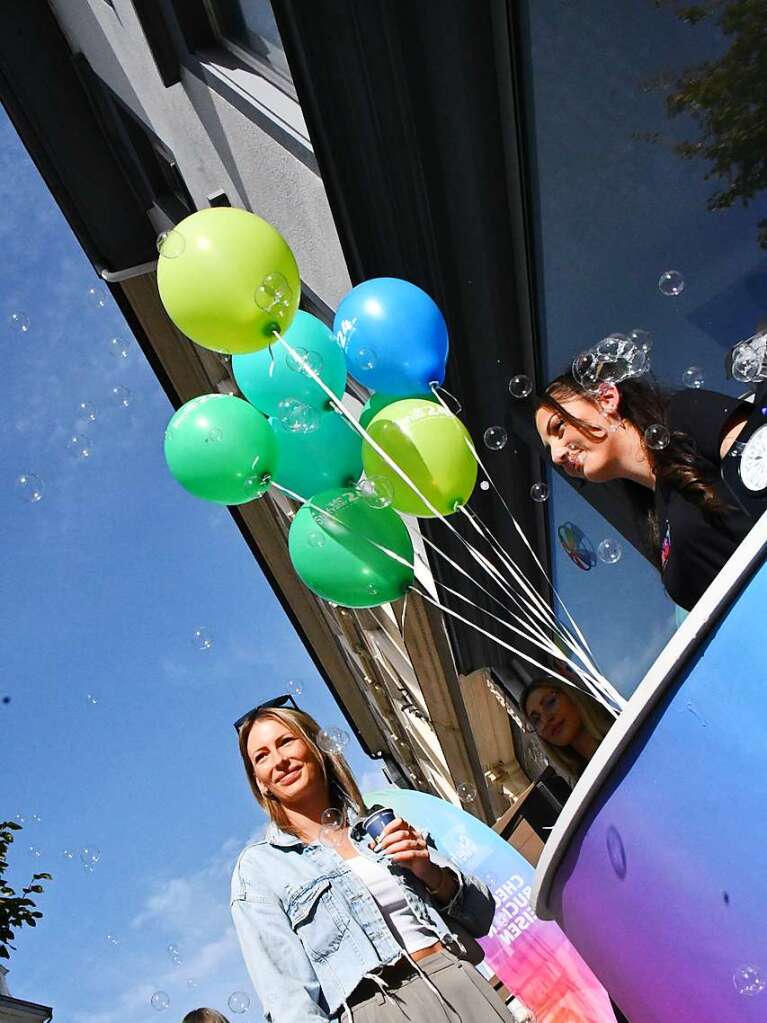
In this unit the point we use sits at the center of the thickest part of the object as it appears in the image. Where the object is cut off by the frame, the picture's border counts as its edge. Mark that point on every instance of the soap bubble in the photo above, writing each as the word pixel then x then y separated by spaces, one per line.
pixel 331 835
pixel 749 980
pixel 332 740
pixel 466 792
pixel 191 982
pixel 585 370
pixel 671 283
pixel 68 854
pixel 80 447
pixel 362 358
pixel 539 492
pixel 609 551
pixel 484 485
pixel 274 295
pixel 376 491
pixel 170 244
pixel 29 488
pixel 657 437
pixel 97 297
pixel 19 321
pixel 89 856
pixel 300 360
pixel 746 365
pixel 120 396
pixel 316 539
pixel 641 338
pixel 173 951
pixel 495 438
pixel 91 699
pixel 112 939
pixel 616 851
pixel 201 638
pixel 298 417
pixel 520 386
pixel 332 817
pixel 86 412
pixel 34 851
pixel 160 1000
pixel 36 818
pixel 693 377
pixel 295 686
pixel 238 1002
pixel 215 436
pixel 119 347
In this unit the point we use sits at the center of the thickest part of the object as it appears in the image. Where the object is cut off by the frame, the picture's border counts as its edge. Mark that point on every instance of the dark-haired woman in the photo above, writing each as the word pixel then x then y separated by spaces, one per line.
pixel 602 435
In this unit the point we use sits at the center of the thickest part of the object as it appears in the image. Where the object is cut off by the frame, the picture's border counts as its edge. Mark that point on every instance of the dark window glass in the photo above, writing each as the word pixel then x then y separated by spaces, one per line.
pixel 248 28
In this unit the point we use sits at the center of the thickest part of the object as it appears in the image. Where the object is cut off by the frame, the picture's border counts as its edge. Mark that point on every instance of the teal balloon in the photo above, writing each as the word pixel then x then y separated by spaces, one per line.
pixel 272 374
pixel 330 456
pixel 220 448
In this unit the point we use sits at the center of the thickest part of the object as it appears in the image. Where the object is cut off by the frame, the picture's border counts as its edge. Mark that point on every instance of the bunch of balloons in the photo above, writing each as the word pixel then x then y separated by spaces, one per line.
pixel 229 281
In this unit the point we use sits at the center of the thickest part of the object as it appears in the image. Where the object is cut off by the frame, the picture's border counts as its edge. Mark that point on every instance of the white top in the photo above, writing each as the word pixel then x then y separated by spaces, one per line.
pixel 383 886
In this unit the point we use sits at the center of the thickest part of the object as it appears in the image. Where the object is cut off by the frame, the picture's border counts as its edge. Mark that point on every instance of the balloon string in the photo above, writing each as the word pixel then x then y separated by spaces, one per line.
pixel 438 390
pixel 373 444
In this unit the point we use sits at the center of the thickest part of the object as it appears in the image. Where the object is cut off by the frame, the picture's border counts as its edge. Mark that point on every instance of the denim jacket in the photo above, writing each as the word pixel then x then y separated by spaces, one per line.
pixel 310 930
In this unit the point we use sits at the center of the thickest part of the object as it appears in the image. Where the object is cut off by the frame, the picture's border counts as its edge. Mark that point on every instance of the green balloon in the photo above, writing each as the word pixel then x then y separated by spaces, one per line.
pixel 377 403
pixel 220 448
pixel 330 456
pixel 228 279
pixel 434 450
pixel 335 545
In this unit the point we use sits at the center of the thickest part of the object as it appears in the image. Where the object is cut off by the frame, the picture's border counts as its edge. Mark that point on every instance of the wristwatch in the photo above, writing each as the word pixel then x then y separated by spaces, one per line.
pixel 744 467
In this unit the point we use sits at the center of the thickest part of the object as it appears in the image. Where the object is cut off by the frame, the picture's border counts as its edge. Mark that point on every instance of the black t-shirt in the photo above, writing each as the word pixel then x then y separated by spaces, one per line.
pixel 693 546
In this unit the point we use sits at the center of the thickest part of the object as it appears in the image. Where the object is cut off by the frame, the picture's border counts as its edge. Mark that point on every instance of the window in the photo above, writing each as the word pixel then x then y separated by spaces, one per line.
pixel 247 28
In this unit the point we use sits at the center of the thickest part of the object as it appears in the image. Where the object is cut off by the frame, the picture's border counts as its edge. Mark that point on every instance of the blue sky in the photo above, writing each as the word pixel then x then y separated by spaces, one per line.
pixel 104 582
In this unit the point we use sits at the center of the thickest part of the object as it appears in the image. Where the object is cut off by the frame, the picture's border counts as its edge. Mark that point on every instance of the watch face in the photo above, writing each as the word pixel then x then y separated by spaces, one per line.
pixel 753 461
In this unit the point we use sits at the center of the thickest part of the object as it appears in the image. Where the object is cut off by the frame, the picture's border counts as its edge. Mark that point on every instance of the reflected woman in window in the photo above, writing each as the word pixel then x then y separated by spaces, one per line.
pixel 569 725
pixel 339 929
pixel 670 445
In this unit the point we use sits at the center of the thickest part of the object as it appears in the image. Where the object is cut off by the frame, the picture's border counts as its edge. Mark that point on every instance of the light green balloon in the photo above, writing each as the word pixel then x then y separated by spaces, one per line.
pixel 220 448
pixel 228 279
pixel 434 450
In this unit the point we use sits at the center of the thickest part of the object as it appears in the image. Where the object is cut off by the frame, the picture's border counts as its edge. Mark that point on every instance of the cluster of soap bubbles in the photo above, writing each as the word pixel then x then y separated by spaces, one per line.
pixel 89 857
pixel 175 955
pixel 614 359
pixel 466 792
pixel 201 638
pixel 298 417
pixel 748 357
pixel 749 981
pixel 332 740
pixel 376 491
pixel 305 362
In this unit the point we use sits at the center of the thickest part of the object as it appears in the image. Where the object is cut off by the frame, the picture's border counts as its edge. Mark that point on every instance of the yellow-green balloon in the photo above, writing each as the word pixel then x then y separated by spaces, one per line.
pixel 434 450
pixel 228 279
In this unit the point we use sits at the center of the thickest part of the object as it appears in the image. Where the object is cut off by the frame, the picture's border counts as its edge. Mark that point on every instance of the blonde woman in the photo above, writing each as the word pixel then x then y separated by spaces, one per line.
pixel 568 723
pixel 340 929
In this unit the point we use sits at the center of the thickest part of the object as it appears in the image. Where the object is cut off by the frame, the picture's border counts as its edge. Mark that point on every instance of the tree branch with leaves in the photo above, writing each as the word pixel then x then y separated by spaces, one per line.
pixel 16 910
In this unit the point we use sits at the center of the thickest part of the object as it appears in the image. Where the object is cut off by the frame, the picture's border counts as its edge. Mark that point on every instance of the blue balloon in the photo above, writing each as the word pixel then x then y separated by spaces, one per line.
pixel 328 457
pixel 272 374
pixel 394 336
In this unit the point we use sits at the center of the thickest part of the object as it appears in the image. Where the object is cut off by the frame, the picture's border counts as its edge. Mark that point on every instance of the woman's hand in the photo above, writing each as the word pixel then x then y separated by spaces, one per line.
pixel 404 844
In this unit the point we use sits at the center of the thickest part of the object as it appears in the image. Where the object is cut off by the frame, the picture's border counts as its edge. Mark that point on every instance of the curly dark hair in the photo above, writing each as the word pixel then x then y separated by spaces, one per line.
pixel 644 403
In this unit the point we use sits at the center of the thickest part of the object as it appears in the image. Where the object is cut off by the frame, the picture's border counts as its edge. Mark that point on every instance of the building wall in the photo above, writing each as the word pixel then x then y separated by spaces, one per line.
pixel 228 128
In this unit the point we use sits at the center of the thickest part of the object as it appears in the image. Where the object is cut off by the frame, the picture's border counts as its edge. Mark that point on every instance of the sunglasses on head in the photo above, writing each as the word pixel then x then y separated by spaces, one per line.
pixel 277 701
